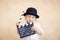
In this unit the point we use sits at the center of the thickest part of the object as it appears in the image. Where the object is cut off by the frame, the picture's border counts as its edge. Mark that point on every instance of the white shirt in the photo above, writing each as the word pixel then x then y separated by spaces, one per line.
pixel 35 36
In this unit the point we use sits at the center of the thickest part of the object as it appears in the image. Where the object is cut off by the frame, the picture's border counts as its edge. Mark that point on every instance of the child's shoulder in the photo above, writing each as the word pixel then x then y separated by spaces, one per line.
pixel 36 23
pixel 38 26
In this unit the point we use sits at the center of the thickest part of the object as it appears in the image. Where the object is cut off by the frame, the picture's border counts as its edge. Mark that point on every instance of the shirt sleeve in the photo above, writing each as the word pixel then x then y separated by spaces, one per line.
pixel 38 27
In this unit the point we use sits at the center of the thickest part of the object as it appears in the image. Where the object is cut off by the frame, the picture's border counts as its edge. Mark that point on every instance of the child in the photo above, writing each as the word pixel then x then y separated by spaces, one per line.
pixel 30 17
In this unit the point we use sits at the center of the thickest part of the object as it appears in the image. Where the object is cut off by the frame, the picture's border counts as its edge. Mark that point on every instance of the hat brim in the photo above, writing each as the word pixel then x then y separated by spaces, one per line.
pixel 31 14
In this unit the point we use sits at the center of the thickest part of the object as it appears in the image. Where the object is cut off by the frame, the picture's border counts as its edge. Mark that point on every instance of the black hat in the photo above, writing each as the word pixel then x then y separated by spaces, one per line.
pixel 31 11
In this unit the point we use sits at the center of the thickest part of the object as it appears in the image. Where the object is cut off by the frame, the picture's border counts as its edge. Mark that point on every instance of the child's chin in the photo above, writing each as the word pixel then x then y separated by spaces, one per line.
pixel 30 22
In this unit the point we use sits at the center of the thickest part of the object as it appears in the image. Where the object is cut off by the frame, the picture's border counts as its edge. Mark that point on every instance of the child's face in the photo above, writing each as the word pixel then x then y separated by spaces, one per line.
pixel 30 18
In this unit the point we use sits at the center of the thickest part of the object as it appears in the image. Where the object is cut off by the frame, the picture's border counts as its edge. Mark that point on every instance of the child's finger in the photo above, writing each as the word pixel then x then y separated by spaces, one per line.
pixel 17 24
pixel 33 28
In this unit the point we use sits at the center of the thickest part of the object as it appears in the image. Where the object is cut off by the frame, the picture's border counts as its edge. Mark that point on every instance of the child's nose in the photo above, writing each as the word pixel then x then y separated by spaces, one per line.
pixel 30 20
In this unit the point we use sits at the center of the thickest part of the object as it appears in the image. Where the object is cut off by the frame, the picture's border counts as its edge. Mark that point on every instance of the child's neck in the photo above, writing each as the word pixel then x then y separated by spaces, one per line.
pixel 30 22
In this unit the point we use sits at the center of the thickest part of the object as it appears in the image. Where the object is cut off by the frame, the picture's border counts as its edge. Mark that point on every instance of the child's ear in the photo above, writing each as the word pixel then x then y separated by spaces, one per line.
pixel 24 16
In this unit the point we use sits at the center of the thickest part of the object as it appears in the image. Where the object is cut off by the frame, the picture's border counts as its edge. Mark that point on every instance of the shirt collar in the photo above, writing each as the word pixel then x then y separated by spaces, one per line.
pixel 27 23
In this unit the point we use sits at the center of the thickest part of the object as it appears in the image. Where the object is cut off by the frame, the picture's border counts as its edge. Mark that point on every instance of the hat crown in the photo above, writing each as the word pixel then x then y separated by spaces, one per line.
pixel 31 10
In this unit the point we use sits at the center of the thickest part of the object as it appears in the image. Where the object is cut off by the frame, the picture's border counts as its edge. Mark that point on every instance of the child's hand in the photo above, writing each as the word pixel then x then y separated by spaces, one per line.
pixel 17 24
pixel 33 28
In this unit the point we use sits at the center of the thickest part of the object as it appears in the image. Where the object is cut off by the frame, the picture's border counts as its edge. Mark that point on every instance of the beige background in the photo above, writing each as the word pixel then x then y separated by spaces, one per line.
pixel 49 11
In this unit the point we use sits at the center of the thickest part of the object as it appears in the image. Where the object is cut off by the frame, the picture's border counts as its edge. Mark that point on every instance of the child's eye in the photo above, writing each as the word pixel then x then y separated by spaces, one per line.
pixel 32 17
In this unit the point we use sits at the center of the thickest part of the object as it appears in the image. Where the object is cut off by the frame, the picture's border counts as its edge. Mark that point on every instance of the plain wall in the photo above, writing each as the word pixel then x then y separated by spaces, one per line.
pixel 48 10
